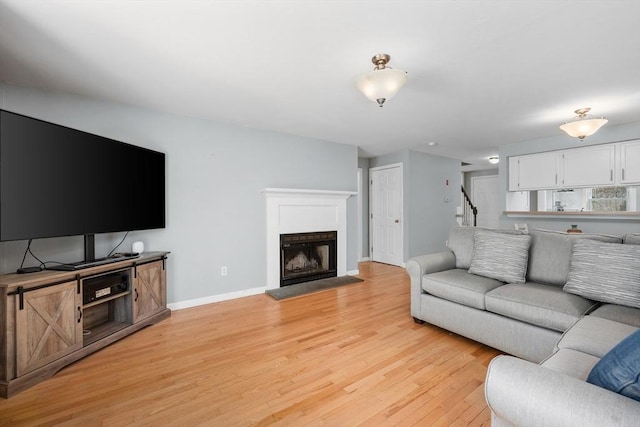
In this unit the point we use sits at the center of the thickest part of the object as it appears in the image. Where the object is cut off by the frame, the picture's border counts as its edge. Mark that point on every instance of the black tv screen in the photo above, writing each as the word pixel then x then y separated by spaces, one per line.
pixel 57 181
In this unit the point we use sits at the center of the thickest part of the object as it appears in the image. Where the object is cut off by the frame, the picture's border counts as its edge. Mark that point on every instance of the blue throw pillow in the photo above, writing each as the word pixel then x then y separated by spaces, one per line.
pixel 619 370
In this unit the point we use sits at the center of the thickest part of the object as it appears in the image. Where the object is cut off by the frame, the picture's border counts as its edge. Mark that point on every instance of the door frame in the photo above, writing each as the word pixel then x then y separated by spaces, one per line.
pixel 359 216
pixel 485 177
pixel 402 229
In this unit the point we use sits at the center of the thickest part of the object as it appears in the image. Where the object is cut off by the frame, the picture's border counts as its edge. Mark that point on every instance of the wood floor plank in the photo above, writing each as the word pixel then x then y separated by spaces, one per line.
pixel 344 356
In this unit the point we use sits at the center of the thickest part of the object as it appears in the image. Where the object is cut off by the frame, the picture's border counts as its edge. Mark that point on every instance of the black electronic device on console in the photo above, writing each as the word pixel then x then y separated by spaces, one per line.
pixel 96 288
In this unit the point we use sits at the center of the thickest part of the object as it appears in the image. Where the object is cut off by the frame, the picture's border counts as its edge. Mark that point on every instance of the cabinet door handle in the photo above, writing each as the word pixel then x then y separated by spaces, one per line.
pixel 623 174
pixel 556 179
pixel 611 176
pixel 79 314
pixel 21 297
pixel 136 292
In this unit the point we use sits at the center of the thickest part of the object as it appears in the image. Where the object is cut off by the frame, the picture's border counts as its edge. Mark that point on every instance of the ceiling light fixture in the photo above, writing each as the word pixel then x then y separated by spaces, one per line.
pixel 583 125
pixel 494 160
pixel 383 82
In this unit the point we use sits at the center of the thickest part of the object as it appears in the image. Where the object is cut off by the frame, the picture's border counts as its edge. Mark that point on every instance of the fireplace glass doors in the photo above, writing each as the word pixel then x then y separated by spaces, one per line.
pixel 307 256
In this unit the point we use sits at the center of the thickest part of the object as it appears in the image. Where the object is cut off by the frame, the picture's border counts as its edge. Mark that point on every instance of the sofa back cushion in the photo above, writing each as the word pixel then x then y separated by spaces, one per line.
pixel 461 243
pixel 618 313
pixel 550 254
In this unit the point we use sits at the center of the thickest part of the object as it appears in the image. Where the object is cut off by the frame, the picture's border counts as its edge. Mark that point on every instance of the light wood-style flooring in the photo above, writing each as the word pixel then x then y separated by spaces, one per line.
pixel 342 357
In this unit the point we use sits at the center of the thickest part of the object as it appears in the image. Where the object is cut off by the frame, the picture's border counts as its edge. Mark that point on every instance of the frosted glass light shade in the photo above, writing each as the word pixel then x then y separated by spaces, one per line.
pixel 583 128
pixel 381 85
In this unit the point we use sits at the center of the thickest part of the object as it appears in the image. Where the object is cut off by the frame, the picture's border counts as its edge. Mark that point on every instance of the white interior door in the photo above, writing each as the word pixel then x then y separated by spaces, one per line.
pixel 485 196
pixel 386 215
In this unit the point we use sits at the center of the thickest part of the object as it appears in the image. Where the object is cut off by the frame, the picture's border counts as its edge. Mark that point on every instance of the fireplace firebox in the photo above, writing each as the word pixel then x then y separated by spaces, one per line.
pixel 307 256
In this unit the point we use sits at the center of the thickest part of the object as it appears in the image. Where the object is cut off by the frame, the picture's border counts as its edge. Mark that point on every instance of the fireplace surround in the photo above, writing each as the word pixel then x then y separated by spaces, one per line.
pixel 292 210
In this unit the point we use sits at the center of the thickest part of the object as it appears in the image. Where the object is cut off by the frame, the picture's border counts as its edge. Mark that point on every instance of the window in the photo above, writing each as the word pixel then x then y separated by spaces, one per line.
pixel 596 199
pixel 607 199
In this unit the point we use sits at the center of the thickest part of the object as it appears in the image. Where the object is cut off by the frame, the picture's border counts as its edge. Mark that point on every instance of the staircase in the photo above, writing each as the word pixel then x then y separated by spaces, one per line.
pixel 469 212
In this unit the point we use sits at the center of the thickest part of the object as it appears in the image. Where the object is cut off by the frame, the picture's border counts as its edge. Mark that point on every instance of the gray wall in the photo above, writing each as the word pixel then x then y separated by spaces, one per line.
pixel 363 163
pixel 427 217
pixel 215 173
pixel 434 190
pixel 561 141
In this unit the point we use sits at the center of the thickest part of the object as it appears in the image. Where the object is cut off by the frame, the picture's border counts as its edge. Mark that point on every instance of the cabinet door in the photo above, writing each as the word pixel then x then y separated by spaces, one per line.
pixel 630 162
pixel 48 325
pixel 537 171
pixel 588 166
pixel 149 290
pixel 514 180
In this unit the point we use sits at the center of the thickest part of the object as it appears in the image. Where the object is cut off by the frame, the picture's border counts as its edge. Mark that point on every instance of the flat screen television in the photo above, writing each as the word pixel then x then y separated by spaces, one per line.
pixel 56 181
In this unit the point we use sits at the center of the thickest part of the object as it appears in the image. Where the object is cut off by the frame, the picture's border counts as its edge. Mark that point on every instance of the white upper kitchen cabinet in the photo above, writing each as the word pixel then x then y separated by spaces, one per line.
pixel 588 166
pixel 630 162
pixel 534 171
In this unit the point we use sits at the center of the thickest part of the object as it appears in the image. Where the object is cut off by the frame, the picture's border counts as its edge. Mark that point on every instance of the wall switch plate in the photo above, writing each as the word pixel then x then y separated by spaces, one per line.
pixel 223 271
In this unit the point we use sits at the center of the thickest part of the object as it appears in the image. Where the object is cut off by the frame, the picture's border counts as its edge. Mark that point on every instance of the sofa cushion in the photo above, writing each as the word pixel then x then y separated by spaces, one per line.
pixel 595 336
pixel 461 243
pixel 618 313
pixel 459 286
pixel 619 370
pixel 571 362
pixel 500 256
pixel 606 272
pixel 631 239
pixel 550 254
pixel 538 304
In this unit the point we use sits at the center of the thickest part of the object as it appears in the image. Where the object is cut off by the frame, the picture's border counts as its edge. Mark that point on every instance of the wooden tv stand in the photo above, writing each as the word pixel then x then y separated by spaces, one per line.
pixel 44 325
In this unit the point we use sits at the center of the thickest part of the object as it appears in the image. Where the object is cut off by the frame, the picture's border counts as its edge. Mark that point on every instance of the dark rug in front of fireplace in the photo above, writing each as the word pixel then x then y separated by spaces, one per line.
pixel 309 287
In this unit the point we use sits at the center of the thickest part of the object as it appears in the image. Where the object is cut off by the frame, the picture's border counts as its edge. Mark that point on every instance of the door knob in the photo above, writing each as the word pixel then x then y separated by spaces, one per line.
pixel 397 221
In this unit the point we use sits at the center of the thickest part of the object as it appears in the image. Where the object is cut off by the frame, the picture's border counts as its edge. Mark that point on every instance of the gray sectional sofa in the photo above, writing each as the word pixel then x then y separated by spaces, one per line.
pixel 559 301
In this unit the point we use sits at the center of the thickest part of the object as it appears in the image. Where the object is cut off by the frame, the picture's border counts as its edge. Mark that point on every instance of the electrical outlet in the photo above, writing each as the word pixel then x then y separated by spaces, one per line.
pixel 223 271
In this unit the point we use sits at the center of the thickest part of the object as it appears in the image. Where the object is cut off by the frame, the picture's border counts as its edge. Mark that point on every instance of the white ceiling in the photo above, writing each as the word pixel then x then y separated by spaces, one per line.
pixel 481 73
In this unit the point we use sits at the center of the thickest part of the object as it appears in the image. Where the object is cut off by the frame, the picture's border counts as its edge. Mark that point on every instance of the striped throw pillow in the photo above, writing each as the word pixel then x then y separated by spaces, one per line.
pixel 605 272
pixel 500 256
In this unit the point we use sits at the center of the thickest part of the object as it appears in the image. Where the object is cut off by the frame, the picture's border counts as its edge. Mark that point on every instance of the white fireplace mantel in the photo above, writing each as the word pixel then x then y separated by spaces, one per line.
pixel 293 210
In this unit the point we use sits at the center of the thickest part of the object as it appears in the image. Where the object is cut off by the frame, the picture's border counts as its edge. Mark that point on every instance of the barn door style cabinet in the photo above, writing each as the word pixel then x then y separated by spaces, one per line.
pixel 52 318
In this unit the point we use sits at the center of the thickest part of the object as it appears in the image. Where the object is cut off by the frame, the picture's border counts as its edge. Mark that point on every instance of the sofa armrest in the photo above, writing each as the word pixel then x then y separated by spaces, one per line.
pixel 425 264
pixel 521 393
pixel 431 263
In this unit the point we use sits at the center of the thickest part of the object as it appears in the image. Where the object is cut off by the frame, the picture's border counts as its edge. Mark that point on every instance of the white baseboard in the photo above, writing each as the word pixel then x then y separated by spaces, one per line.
pixel 364 259
pixel 215 298
pixel 353 272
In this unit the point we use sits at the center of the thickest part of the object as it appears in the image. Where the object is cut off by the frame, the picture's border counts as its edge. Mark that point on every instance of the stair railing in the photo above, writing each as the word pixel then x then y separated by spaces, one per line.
pixel 468 210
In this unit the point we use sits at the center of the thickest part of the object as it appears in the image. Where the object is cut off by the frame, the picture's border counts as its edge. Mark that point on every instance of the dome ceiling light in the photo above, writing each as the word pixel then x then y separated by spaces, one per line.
pixel 383 82
pixel 583 125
